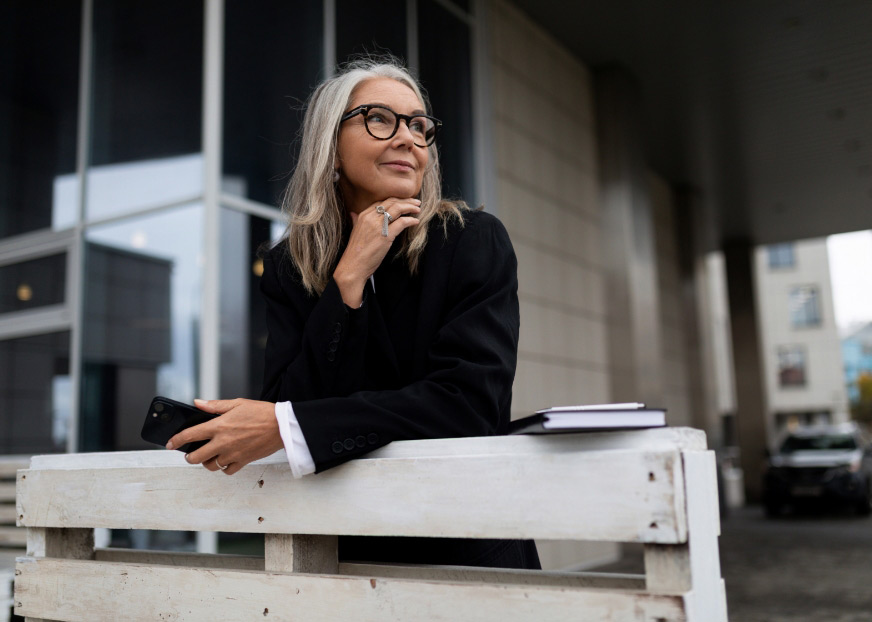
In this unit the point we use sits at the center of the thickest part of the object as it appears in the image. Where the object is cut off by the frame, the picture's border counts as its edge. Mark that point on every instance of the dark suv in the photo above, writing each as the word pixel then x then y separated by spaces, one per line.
pixel 831 462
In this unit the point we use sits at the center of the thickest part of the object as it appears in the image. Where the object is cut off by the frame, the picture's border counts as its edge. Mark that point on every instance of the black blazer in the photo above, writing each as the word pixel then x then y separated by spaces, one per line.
pixel 426 356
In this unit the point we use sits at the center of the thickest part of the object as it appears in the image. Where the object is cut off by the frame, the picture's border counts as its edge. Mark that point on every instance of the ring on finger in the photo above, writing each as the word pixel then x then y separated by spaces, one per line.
pixel 218 464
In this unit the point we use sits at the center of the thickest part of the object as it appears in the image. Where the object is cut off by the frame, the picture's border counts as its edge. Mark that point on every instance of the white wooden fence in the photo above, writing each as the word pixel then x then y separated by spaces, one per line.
pixel 652 486
pixel 12 538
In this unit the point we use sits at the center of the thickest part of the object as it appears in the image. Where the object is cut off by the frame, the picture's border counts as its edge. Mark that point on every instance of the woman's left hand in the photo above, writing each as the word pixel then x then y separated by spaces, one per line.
pixel 246 431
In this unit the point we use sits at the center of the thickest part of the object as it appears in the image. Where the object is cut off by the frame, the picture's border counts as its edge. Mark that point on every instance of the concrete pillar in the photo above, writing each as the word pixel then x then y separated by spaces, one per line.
pixel 628 234
pixel 751 424
pixel 691 224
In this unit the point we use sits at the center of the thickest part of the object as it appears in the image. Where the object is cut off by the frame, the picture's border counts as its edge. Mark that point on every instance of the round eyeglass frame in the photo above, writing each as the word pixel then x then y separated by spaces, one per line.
pixel 364 110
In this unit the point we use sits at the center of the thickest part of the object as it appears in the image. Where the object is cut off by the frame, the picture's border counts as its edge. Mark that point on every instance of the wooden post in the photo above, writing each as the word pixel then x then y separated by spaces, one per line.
pixel 695 566
pixel 56 542
pixel 301 553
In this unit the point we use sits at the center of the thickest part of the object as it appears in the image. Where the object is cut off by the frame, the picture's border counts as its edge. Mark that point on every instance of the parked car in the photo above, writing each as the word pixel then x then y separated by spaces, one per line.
pixel 824 462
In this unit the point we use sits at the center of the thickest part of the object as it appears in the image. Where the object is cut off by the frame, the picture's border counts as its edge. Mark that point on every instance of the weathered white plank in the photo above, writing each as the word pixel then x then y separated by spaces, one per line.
pixel 301 553
pixel 96 591
pixel 13 536
pixel 457 574
pixel 186 560
pixel 656 439
pixel 407 571
pixel 616 495
pixel 708 600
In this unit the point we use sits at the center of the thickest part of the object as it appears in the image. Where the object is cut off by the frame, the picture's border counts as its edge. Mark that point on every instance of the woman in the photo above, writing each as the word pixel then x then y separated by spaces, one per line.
pixel 392 313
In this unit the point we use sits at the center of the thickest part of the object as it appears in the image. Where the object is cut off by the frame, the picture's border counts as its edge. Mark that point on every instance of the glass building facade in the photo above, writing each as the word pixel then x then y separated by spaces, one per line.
pixel 144 147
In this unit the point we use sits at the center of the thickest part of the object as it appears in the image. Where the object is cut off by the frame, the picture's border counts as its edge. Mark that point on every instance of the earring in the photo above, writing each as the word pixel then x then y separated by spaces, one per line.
pixel 335 175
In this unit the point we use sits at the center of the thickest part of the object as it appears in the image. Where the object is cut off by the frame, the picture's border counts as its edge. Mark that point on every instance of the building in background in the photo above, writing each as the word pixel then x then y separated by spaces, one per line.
pixel 857 358
pixel 801 353
pixel 619 164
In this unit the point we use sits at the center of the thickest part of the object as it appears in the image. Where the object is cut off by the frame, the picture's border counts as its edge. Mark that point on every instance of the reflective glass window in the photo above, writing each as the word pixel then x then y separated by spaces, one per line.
pixel 34 283
pixel 243 310
pixel 791 366
pixel 35 396
pixel 39 92
pixel 146 110
pixel 141 322
pixel 445 74
pixel 370 28
pixel 273 57
pixel 804 306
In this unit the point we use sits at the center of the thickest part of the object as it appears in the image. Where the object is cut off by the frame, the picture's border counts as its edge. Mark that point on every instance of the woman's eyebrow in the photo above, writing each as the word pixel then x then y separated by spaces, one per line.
pixel 381 105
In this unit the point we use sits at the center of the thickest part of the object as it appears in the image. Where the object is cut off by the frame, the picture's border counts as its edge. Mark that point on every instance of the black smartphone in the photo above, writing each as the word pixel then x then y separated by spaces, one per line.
pixel 166 418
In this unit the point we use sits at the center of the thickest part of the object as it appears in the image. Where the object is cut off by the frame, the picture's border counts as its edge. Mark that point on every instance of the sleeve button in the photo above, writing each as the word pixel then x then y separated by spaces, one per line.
pixel 372 438
pixel 349 444
pixel 360 441
pixel 337 447
pixel 332 347
pixel 331 356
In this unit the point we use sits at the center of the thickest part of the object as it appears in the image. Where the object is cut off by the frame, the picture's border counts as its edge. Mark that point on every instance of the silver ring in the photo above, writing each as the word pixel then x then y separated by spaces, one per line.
pixel 380 209
pixel 218 464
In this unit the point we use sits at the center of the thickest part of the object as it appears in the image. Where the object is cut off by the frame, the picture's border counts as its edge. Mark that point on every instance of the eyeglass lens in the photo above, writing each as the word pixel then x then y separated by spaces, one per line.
pixel 382 123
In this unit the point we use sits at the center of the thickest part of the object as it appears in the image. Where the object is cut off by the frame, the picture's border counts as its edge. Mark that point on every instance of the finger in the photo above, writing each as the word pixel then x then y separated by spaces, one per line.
pixel 400 224
pixel 201 432
pixel 211 465
pixel 216 406
pixel 202 455
pixel 354 217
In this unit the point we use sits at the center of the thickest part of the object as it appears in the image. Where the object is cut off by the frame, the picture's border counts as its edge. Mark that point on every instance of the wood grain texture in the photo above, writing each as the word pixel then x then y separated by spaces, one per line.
pixel 655 439
pixel 97 591
pixel 301 553
pixel 431 573
pixel 616 495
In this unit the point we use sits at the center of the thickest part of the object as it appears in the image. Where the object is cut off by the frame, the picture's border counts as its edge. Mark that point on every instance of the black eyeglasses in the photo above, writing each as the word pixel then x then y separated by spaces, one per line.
pixel 382 123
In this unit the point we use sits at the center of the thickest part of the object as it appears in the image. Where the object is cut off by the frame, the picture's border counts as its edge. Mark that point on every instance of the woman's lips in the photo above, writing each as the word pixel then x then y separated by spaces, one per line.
pixel 399 165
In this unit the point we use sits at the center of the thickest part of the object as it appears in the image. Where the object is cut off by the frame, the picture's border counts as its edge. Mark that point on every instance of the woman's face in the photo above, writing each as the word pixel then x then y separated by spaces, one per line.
pixel 372 170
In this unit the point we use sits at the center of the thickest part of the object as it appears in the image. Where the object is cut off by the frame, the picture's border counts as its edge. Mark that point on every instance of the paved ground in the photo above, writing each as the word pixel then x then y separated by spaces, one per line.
pixel 815 566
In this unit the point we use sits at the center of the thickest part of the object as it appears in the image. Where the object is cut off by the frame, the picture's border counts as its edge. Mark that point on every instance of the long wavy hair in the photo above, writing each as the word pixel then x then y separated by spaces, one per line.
pixel 313 204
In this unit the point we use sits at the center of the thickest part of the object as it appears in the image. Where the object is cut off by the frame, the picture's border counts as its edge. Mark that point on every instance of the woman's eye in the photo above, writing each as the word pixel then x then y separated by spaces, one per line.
pixel 418 126
pixel 376 117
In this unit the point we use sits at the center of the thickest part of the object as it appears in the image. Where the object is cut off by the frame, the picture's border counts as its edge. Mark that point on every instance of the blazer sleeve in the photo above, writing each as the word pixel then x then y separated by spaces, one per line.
pixel 470 366
pixel 316 346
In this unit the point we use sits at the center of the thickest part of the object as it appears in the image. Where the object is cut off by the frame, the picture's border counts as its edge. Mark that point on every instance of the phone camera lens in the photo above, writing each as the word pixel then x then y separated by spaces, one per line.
pixel 159 407
pixel 165 417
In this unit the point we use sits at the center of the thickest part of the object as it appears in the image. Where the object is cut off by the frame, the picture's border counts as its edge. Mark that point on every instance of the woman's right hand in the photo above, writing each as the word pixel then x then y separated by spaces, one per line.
pixel 367 246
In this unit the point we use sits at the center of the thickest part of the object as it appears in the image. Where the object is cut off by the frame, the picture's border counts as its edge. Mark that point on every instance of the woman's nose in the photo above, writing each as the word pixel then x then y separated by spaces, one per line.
pixel 404 134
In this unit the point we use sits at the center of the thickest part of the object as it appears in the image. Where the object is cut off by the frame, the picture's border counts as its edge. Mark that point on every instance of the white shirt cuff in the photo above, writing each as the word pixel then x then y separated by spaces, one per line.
pixel 296 449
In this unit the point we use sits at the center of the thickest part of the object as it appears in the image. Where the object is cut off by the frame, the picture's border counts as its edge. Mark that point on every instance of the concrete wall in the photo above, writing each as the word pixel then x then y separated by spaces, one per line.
pixel 825 383
pixel 548 199
pixel 673 320
pixel 547 189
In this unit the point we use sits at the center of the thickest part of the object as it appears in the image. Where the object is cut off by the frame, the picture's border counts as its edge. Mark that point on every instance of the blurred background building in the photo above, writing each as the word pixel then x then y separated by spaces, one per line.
pixel 637 152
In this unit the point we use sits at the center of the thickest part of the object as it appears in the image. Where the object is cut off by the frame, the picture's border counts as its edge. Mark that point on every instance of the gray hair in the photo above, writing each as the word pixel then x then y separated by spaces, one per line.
pixel 312 202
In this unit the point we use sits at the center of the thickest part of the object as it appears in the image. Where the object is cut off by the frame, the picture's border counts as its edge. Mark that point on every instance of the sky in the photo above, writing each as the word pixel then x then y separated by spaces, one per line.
pixel 851 273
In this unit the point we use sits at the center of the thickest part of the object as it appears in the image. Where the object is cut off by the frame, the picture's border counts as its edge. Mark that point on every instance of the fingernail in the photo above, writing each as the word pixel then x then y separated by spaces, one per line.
pixel 170 445
pixel 198 400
